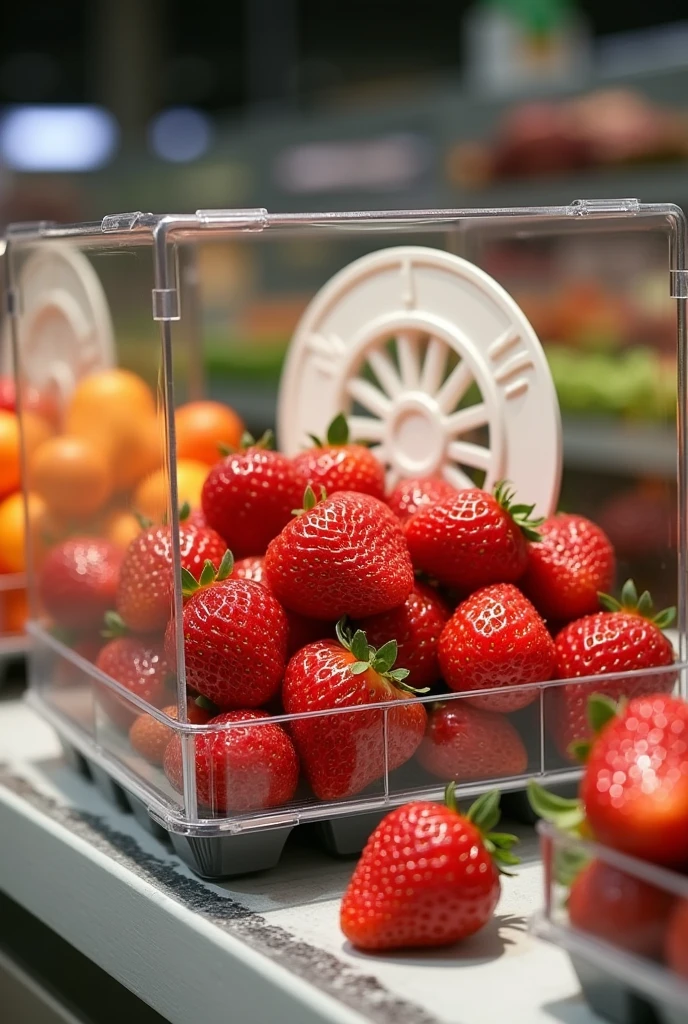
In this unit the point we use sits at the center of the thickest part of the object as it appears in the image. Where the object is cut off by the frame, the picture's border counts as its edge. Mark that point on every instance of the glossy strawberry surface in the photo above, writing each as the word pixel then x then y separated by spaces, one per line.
pixel 78 582
pixel 302 629
pixel 344 753
pixel 466 743
pixel 248 767
pixel 568 568
pixel 249 497
pixel 416 626
pixel 496 638
pixel 346 556
pixel 235 643
pixel 635 785
pixel 140 666
pixel 467 541
pixel 597 645
pixel 144 597
pixel 414 493
pixel 347 467
pixel 424 878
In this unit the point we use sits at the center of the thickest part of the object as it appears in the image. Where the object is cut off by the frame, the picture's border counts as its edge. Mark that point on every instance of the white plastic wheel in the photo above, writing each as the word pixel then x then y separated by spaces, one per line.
pixel 65 329
pixel 436 367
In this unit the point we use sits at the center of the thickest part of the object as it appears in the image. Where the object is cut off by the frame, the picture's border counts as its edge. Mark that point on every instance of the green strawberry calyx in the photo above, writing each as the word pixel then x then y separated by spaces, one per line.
pixel 266 442
pixel 522 515
pixel 337 433
pixel 114 626
pixel 209 575
pixel 637 605
pixel 310 500
pixel 380 659
pixel 184 513
pixel 484 814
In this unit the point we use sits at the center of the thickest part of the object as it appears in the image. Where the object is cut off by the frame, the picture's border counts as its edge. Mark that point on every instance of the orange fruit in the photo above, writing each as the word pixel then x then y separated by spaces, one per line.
pixel 132 444
pixel 36 429
pixel 13 529
pixel 150 497
pixel 15 611
pixel 121 527
pixel 72 475
pixel 201 426
pixel 97 396
pixel 10 461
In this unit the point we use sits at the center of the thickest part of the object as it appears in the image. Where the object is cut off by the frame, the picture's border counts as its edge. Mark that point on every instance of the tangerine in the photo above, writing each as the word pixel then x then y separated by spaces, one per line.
pixel 202 426
pixel 36 429
pixel 121 527
pixel 15 611
pixel 100 394
pixel 150 497
pixel 72 475
pixel 13 529
pixel 10 459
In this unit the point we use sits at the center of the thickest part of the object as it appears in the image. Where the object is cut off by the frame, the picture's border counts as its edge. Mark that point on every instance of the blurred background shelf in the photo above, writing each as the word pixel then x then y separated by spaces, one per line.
pixel 604 445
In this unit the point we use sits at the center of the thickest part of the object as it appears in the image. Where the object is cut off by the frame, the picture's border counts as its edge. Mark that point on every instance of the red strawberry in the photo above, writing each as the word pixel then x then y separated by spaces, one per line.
pixel 344 555
pixel 619 640
pixel 415 493
pixel 249 496
pixel 496 638
pixel 144 598
pixel 568 567
pixel 247 763
pixel 235 639
pixel 302 630
pixel 465 743
pixel 416 626
pixel 339 465
pixel 472 539
pixel 676 947
pixel 149 737
pixel 343 753
pixel 620 908
pixel 139 665
pixel 425 877
pixel 79 580
pixel 635 785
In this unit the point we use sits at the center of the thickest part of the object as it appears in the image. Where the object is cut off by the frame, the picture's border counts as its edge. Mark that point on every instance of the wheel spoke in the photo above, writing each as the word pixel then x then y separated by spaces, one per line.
pixel 370 397
pixel 434 366
pixel 464 420
pixel 456 477
pixel 409 361
pixel 467 454
pixel 455 387
pixel 386 373
pixel 365 428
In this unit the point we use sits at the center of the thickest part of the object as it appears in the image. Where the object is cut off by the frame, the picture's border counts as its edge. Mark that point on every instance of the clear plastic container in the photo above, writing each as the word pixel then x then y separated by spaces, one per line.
pixel 226 289
pixel 623 972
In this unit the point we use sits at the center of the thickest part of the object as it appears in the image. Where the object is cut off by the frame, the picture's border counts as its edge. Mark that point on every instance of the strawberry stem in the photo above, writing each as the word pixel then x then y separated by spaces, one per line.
pixel 114 626
pixel 209 575
pixel 380 659
pixel 633 604
pixel 484 813
pixel 309 500
pixel 522 515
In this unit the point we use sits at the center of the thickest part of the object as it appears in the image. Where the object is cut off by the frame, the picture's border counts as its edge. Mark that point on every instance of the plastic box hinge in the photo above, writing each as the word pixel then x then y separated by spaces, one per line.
pixel 250 220
pixel 122 221
pixel 166 304
pixel 590 207
pixel 679 284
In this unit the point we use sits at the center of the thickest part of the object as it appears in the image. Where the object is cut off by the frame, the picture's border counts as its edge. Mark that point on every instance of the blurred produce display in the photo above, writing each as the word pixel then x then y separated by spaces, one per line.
pixel 607 128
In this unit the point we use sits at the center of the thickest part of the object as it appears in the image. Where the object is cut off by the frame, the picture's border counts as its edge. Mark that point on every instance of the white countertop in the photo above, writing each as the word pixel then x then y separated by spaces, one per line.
pixel 258 949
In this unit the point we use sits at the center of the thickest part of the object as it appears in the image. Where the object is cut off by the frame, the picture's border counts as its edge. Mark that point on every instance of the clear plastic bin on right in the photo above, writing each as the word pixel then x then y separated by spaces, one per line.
pixel 623 923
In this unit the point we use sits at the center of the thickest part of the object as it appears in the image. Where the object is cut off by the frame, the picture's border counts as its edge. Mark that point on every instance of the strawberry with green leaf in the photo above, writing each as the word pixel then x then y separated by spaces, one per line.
pixel 338 465
pixel 428 876
pixel 473 539
pixel 235 638
pixel 346 751
pixel 626 636
pixel 249 495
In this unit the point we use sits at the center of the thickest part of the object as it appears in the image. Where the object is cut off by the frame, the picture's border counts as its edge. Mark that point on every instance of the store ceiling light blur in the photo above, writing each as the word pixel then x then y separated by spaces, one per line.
pixel 393 162
pixel 180 134
pixel 57 138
